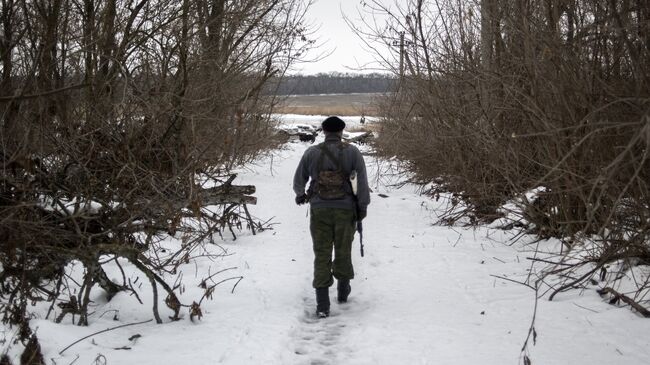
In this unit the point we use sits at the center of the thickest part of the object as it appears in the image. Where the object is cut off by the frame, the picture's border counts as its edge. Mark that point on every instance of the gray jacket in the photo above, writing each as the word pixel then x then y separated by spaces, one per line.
pixel 351 160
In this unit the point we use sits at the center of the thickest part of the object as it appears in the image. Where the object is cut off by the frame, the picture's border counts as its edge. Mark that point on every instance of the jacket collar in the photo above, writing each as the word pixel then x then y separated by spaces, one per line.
pixel 332 138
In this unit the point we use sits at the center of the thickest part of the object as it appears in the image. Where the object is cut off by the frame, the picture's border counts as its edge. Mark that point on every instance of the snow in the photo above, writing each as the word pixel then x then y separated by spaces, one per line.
pixel 316 120
pixel 423 294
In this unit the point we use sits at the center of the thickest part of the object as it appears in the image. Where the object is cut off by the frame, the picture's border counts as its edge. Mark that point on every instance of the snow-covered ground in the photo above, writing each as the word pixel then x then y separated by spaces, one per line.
pixel 351 122
pixel 423 294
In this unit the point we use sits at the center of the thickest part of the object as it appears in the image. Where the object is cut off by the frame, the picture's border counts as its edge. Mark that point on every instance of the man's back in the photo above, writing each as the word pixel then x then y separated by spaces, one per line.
pixel 349 159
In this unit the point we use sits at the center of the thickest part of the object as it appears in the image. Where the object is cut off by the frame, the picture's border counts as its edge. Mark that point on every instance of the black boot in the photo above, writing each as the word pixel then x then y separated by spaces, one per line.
pixel 343 290
pixel 322 302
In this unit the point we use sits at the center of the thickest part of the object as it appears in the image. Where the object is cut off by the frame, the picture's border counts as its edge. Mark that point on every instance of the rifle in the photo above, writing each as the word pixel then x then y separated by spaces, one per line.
pixel 353 184
pixel 360 229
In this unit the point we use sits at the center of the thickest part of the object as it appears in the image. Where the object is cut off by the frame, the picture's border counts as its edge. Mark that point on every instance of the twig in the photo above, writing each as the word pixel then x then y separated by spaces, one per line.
pixel 110 311
pixel 535 259
pixel 134 292
pixel 237 283
pixel 102 331
pixel 154 288
pixel 514 281
pixel 250 219
pixel 209 290
pixel 531 330
pixel 589 309
pixel 56 295
pixel 217 273
pixel 574 282
pixel 638 307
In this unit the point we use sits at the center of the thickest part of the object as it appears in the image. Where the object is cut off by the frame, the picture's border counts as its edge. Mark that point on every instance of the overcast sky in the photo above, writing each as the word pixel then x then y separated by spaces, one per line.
pixel 347 50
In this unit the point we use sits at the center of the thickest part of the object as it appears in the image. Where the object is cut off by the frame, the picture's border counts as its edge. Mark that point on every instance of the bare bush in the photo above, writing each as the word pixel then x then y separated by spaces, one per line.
pixel 122 121
pixel 499 98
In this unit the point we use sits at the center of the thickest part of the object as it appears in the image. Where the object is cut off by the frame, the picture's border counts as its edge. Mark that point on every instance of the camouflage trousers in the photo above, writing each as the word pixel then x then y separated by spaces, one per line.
pixel 332 228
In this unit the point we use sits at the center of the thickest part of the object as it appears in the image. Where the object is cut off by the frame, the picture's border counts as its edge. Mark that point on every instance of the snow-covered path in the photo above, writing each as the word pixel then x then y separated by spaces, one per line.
pixel 423 294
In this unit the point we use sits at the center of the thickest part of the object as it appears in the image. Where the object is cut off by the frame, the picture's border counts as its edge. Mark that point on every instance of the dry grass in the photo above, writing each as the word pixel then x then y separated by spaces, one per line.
pixel 332 104
pixel 373 127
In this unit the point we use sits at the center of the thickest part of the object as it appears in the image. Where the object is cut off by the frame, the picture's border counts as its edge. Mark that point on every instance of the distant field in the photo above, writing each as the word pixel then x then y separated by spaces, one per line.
pixel 329 104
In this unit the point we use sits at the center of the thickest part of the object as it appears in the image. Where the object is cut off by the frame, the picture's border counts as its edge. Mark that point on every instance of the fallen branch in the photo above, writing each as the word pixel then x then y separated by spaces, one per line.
pixel 102 331
pixel 228 199
pixel 618 296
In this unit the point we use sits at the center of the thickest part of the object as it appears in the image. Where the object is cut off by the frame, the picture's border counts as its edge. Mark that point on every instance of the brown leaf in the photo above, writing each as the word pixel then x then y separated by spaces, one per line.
pixel 195 311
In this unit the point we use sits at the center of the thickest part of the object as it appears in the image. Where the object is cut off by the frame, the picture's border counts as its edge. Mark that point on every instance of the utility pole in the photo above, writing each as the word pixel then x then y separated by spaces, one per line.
pixel 400 43
pixel 401 54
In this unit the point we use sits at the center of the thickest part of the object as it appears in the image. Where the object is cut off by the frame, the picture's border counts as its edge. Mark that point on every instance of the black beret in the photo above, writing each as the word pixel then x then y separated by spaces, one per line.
pixel 333 124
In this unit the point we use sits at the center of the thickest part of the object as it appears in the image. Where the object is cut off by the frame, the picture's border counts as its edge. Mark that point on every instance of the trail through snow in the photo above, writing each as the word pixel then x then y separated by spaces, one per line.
pixel 423 294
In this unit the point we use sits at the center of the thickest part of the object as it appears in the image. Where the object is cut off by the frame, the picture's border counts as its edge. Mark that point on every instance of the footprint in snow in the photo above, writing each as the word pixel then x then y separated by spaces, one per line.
pixel 317 340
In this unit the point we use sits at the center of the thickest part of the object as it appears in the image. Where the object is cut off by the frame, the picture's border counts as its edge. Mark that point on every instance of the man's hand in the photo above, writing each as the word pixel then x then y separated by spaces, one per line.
pixel 361 213
pixel 301 199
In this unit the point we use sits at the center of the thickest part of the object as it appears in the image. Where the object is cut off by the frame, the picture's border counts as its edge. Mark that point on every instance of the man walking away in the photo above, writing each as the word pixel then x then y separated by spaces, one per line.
pixel 334 209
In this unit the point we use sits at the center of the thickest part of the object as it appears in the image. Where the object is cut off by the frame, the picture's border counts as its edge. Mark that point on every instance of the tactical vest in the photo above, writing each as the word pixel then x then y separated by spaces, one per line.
pixel 331 183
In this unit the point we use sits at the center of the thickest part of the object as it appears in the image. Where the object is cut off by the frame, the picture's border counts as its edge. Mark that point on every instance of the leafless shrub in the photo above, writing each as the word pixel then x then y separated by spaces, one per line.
pixel 499 98
pixel 121 123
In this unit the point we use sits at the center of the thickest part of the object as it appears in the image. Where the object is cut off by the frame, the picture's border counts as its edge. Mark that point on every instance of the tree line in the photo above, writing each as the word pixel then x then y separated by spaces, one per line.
pixel 332 83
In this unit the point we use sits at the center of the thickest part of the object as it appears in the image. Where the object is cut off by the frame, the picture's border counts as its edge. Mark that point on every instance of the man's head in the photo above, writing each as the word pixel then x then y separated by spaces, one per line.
pixel 333 125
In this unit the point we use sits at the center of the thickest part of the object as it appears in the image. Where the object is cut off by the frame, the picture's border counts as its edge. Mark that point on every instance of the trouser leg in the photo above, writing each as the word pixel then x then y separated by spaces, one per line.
pixel 343 238
pixel 322 233
pixel 332 229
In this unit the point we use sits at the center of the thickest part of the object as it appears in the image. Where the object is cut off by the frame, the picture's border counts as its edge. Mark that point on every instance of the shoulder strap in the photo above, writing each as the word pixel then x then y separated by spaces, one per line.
pixel 326 152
